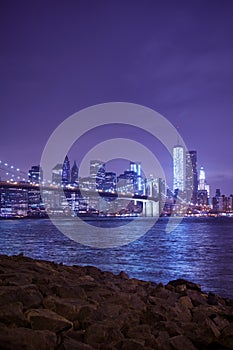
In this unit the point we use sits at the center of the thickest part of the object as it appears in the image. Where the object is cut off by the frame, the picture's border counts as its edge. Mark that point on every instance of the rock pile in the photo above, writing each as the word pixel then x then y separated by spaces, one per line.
pixel 46 306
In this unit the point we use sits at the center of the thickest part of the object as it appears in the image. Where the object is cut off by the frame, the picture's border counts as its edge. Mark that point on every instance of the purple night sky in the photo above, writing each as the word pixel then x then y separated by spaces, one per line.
pixel 58 57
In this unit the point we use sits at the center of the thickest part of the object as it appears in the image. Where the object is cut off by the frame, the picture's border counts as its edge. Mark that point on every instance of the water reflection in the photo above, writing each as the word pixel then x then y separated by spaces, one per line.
pixel 200 250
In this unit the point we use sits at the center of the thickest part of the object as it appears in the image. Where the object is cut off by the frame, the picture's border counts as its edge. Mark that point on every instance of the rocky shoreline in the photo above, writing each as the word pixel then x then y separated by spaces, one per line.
pixel 46 306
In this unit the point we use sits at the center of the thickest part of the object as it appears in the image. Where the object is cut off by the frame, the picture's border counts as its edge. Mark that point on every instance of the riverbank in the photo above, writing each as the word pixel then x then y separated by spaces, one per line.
pixel 45 306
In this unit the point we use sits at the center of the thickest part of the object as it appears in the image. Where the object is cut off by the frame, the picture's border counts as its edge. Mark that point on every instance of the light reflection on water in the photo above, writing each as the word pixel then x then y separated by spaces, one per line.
pixel 200 250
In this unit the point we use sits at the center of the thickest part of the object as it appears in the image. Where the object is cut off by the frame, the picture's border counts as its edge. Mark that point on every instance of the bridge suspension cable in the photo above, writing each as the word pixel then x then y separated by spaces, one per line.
pixel 11 173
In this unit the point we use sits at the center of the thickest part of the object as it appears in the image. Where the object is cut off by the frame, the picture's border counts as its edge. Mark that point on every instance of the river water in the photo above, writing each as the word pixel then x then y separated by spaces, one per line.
pixel 199 249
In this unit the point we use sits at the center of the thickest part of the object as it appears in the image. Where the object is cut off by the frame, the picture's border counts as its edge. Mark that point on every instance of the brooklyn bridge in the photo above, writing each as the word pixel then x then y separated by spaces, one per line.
pixel 21 197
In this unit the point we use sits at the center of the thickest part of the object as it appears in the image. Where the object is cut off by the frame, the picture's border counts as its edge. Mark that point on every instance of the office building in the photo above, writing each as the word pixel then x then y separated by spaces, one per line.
pixel 125 181
pixel 110 181
pixel 35 174
pixel 138 182
pixel 13 202
pixel 191 177
pixel 57 174
pixel 74 174
pixel 203 192
pixel 97 172
pixel 179 173
pixel 66 171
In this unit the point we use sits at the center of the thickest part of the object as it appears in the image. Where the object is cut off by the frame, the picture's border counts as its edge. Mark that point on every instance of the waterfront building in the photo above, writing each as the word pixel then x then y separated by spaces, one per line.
pixel 13 202
pixel 66 171
pixel 57 174
pixel 179 173
pixel 34 198
pixel 230 203
pixel 222 203
pixel 74 174
pixel 97 172
pixel 35 174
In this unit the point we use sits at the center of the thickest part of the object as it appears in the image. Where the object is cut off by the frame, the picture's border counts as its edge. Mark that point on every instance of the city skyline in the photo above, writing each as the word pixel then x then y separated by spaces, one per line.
pixel 104 193
pixel 175 183
pixel 174 57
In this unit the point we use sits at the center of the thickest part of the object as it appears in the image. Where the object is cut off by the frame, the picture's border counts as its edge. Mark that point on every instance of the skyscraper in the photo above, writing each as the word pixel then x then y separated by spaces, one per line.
pixel 202 179
pixel 66 171
pixel 179 161
pixel 97 172
pixel 74 174
pixel 203 189
pixel 137 169
pixel 35 174
pixel 110 181
pixel 57 174
pixel 191 176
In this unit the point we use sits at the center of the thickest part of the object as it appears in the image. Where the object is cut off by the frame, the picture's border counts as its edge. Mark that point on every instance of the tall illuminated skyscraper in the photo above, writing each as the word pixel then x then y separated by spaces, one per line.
pixel 191 176
pixel 179 161
pixel 202 182
pixel 203 189
pixel 66 171
pixel 137 169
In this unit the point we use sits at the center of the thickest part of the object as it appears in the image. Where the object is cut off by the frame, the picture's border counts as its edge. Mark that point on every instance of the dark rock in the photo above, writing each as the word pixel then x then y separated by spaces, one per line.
pixel 186 301
pixel 68 308
pixel 202 335
pixel 12 315
pixel 196 297
pixel 142 333
pixel 220 322
pixel 44 305
pixel 171 327
pixel 226 338
pixel 77 335
pixel 181 342
pixel 214 299
pixel 70 291
pixel 163 341
pixel 71 344
pixel 99 333
pixel 26 339
pixel 179 312
pixel 88 315
pixel 187 284
pixel 129 344
pixel 28 295
pixel 47 319
pixel 123 275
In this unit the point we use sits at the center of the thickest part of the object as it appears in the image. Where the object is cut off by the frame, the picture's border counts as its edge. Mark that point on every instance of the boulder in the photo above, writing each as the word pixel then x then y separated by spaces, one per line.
pixel 12 315
pixel 181 342
pixel 68 308
pixel 28 295
pixel 46 319
pixel 26 339
pixel 72 344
